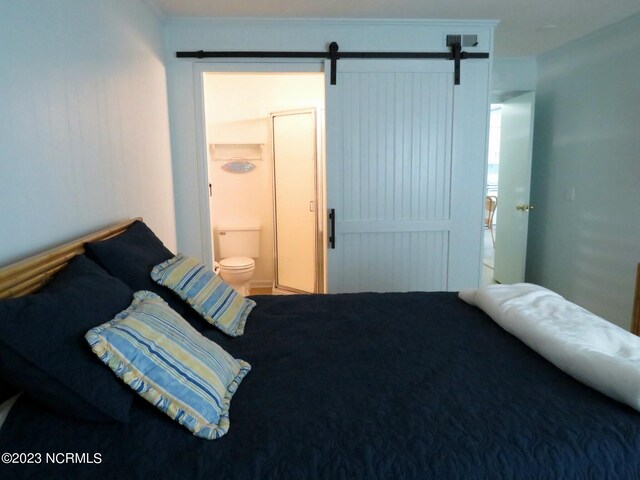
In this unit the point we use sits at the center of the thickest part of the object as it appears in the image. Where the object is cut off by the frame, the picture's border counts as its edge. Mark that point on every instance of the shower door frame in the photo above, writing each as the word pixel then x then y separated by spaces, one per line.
pixel 318 199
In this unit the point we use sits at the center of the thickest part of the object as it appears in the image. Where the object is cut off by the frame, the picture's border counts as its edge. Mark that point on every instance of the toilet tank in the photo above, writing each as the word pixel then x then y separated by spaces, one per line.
pixel 238 241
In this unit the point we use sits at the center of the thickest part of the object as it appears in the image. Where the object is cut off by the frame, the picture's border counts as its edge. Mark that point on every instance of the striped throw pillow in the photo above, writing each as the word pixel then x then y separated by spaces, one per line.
pixel 216 301
pixel 166 361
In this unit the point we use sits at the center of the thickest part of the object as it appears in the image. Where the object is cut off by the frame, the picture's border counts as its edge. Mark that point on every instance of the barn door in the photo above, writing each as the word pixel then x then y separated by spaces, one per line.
pixel 390 179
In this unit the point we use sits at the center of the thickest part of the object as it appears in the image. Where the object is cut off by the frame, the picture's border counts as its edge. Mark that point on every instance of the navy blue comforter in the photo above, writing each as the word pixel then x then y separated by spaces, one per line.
pixel 361 386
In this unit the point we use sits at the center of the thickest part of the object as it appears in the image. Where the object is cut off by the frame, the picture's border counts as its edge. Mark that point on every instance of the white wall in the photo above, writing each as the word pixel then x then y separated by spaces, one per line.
pixel 277 35
pixel 84 137
pixel 517 74
pixel 237 110
pixel 584 232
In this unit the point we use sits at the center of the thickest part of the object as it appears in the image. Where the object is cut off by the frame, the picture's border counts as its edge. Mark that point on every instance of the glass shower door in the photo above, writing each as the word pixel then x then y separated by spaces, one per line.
pixel 295 200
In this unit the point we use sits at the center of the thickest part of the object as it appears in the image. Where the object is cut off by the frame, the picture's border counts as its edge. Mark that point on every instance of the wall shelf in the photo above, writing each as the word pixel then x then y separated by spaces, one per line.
pixel 229 152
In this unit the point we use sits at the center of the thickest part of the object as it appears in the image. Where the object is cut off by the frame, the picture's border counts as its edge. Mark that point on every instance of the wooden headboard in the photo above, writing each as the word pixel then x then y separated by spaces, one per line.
pixel 635 319
pixel 30 274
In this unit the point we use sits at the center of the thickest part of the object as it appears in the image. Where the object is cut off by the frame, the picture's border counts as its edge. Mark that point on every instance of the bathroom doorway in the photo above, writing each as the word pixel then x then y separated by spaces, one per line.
pixel 242 177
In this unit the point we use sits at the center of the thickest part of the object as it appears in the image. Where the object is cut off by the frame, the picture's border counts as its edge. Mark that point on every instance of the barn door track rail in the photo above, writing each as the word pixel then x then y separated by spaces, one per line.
pixel 456 54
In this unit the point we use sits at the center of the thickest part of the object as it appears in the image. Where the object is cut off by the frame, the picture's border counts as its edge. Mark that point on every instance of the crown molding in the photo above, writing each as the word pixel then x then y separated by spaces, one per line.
pixel 288 21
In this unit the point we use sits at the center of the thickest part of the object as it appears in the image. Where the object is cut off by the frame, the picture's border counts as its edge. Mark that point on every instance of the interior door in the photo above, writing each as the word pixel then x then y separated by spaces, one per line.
pixel 514 182
pixel 295 200
pixel 404 213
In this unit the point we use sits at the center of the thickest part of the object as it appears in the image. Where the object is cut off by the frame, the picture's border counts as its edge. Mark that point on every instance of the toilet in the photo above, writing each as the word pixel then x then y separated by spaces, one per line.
pixel 239 246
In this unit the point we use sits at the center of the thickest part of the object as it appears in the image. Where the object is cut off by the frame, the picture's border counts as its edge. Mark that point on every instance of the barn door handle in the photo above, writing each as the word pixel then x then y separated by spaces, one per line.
pixel 332 228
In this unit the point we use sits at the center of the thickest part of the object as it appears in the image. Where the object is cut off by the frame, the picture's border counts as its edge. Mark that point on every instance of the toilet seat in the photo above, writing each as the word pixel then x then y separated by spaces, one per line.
pixel 237 272
pixel 237 263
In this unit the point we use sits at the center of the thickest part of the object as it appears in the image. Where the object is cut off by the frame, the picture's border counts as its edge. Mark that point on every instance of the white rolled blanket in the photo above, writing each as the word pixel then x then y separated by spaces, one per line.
pixel 583 345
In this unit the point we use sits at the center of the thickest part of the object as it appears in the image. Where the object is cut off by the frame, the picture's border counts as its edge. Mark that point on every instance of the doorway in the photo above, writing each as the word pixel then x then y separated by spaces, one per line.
pixel 491 199
pixel 238 114
pixel 508 182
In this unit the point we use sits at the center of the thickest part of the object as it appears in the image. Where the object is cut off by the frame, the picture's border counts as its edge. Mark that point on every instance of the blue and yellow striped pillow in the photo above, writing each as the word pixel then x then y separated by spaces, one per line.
pixel 166 361
pixel 206 292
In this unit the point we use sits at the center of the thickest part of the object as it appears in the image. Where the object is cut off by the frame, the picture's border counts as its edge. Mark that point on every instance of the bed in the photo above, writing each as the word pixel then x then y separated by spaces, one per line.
pixel 368 385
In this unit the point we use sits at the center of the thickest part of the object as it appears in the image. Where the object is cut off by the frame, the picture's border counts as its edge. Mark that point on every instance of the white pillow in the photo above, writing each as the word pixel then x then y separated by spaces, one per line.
pixel 5 407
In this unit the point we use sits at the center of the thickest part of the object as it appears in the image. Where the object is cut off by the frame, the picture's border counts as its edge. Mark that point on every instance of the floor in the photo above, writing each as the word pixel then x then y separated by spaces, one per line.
pixel 261 291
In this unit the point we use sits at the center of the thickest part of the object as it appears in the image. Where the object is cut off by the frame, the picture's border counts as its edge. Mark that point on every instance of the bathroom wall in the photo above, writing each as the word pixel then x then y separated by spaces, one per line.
pixel 237 110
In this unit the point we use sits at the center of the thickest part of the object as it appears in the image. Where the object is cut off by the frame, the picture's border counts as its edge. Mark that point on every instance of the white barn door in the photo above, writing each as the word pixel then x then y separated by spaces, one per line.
pixel 391 180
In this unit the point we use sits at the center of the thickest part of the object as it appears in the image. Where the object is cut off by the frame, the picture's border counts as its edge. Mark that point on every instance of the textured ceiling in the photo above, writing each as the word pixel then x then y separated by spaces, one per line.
pixel 527 27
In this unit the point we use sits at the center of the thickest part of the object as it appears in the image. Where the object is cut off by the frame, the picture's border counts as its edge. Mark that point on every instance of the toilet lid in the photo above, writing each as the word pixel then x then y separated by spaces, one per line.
pixel 237 262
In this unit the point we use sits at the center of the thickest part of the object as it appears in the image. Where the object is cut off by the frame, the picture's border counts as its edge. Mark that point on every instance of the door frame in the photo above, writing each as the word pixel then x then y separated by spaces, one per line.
pixel 239 66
